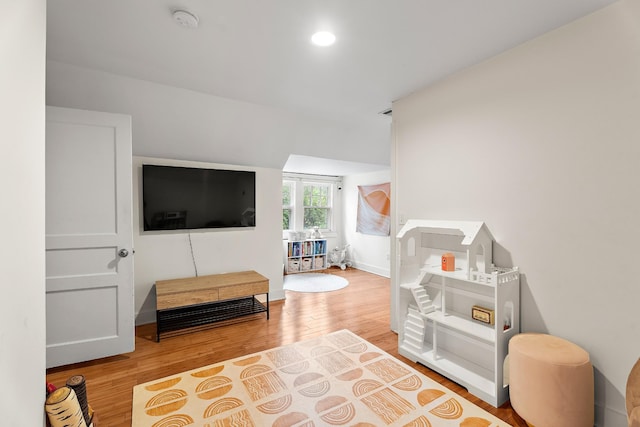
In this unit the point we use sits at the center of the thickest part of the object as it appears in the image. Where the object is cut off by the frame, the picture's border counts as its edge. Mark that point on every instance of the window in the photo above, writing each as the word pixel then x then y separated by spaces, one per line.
pixel 317 205
pixel 287 204
pixel 308 202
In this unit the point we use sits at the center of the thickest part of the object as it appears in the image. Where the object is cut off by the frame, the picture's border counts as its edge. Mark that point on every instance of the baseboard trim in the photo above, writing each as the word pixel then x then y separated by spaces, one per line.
pixel 605 416
pixel 145 317
pixel 380 271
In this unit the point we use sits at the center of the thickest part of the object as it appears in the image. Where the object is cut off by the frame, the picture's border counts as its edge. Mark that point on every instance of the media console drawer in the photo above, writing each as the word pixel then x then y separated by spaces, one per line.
pixel 187 298
pixel 236 291
pixel 198 301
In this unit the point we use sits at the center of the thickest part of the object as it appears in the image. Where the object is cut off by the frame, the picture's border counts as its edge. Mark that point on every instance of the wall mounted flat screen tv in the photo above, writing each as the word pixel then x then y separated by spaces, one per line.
pixel 175 198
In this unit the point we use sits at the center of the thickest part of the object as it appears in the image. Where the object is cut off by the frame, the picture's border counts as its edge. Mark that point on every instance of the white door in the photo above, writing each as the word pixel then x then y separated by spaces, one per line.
pixel 89 256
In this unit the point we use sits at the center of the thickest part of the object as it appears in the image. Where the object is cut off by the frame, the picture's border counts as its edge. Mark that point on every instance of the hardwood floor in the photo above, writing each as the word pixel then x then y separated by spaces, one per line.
pixel 362 307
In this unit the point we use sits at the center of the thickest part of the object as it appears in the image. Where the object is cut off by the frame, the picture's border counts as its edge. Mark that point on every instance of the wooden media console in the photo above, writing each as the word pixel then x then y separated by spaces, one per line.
pixel 197 302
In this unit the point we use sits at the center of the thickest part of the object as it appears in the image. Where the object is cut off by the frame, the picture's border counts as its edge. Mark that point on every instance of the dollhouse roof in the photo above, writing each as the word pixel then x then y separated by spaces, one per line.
pixel 471 230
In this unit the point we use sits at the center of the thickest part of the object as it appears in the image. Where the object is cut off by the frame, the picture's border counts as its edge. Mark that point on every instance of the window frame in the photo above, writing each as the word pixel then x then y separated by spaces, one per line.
pixel 291 207
pixel 328 207
pixel 299 181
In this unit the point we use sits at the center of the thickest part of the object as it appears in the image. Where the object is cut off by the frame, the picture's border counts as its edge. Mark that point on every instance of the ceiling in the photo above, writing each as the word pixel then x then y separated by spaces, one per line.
pixel 259 51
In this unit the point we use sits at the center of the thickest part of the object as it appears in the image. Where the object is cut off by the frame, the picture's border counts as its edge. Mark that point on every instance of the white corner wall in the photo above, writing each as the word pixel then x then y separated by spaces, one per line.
pixel 366 252
pixel 22 261
pixel 542 143
pixel 167 255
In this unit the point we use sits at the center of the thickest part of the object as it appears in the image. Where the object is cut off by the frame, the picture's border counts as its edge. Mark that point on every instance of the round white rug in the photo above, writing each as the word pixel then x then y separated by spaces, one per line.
pixel 314 282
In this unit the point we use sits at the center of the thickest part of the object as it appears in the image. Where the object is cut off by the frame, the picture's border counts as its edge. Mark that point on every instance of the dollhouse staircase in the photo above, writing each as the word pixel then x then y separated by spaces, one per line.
pixel 425 305
pixel 414 330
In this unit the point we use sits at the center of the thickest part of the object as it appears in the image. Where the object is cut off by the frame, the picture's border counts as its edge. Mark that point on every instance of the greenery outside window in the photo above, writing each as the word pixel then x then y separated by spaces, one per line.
pixel 308 202
pixel 288 198
pixel 317 206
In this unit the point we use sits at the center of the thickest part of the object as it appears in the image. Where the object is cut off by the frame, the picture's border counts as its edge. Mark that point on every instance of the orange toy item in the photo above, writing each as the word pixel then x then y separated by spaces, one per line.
pixel 448 262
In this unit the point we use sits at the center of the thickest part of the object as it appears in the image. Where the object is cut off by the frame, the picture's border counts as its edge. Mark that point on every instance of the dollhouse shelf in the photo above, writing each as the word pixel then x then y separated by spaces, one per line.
pixel 456 370
pixel 466 326
pixel 436 327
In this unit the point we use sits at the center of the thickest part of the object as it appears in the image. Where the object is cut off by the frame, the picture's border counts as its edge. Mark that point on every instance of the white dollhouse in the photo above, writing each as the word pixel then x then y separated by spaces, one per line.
pixel 457 322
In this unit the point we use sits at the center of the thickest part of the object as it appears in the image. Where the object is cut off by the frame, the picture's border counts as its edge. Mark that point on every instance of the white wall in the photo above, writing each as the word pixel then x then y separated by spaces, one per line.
pixel 367 252
pixel 542 143
pixel 167 255
pixel 22 262
pixel 175 123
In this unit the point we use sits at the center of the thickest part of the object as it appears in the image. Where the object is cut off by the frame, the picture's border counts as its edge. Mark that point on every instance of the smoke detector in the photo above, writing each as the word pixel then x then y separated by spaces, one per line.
pixel 185 19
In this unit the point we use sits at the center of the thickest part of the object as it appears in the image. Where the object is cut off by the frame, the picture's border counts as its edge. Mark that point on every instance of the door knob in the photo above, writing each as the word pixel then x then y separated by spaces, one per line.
pixel 123 253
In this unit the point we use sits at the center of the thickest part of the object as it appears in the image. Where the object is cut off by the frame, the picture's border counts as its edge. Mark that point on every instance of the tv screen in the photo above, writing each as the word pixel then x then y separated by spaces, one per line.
pixel 175 198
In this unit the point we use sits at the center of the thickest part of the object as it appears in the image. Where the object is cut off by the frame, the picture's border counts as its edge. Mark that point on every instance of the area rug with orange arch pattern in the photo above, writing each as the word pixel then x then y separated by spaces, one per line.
pixel 337 379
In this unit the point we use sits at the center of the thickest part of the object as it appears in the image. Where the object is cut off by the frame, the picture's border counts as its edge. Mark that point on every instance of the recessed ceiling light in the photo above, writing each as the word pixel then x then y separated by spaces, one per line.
pixel 185 19
pixel 323 38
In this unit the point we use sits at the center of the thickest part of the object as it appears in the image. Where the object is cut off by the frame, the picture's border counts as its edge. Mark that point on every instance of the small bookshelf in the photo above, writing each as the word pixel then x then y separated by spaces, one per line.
pixel 306 255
